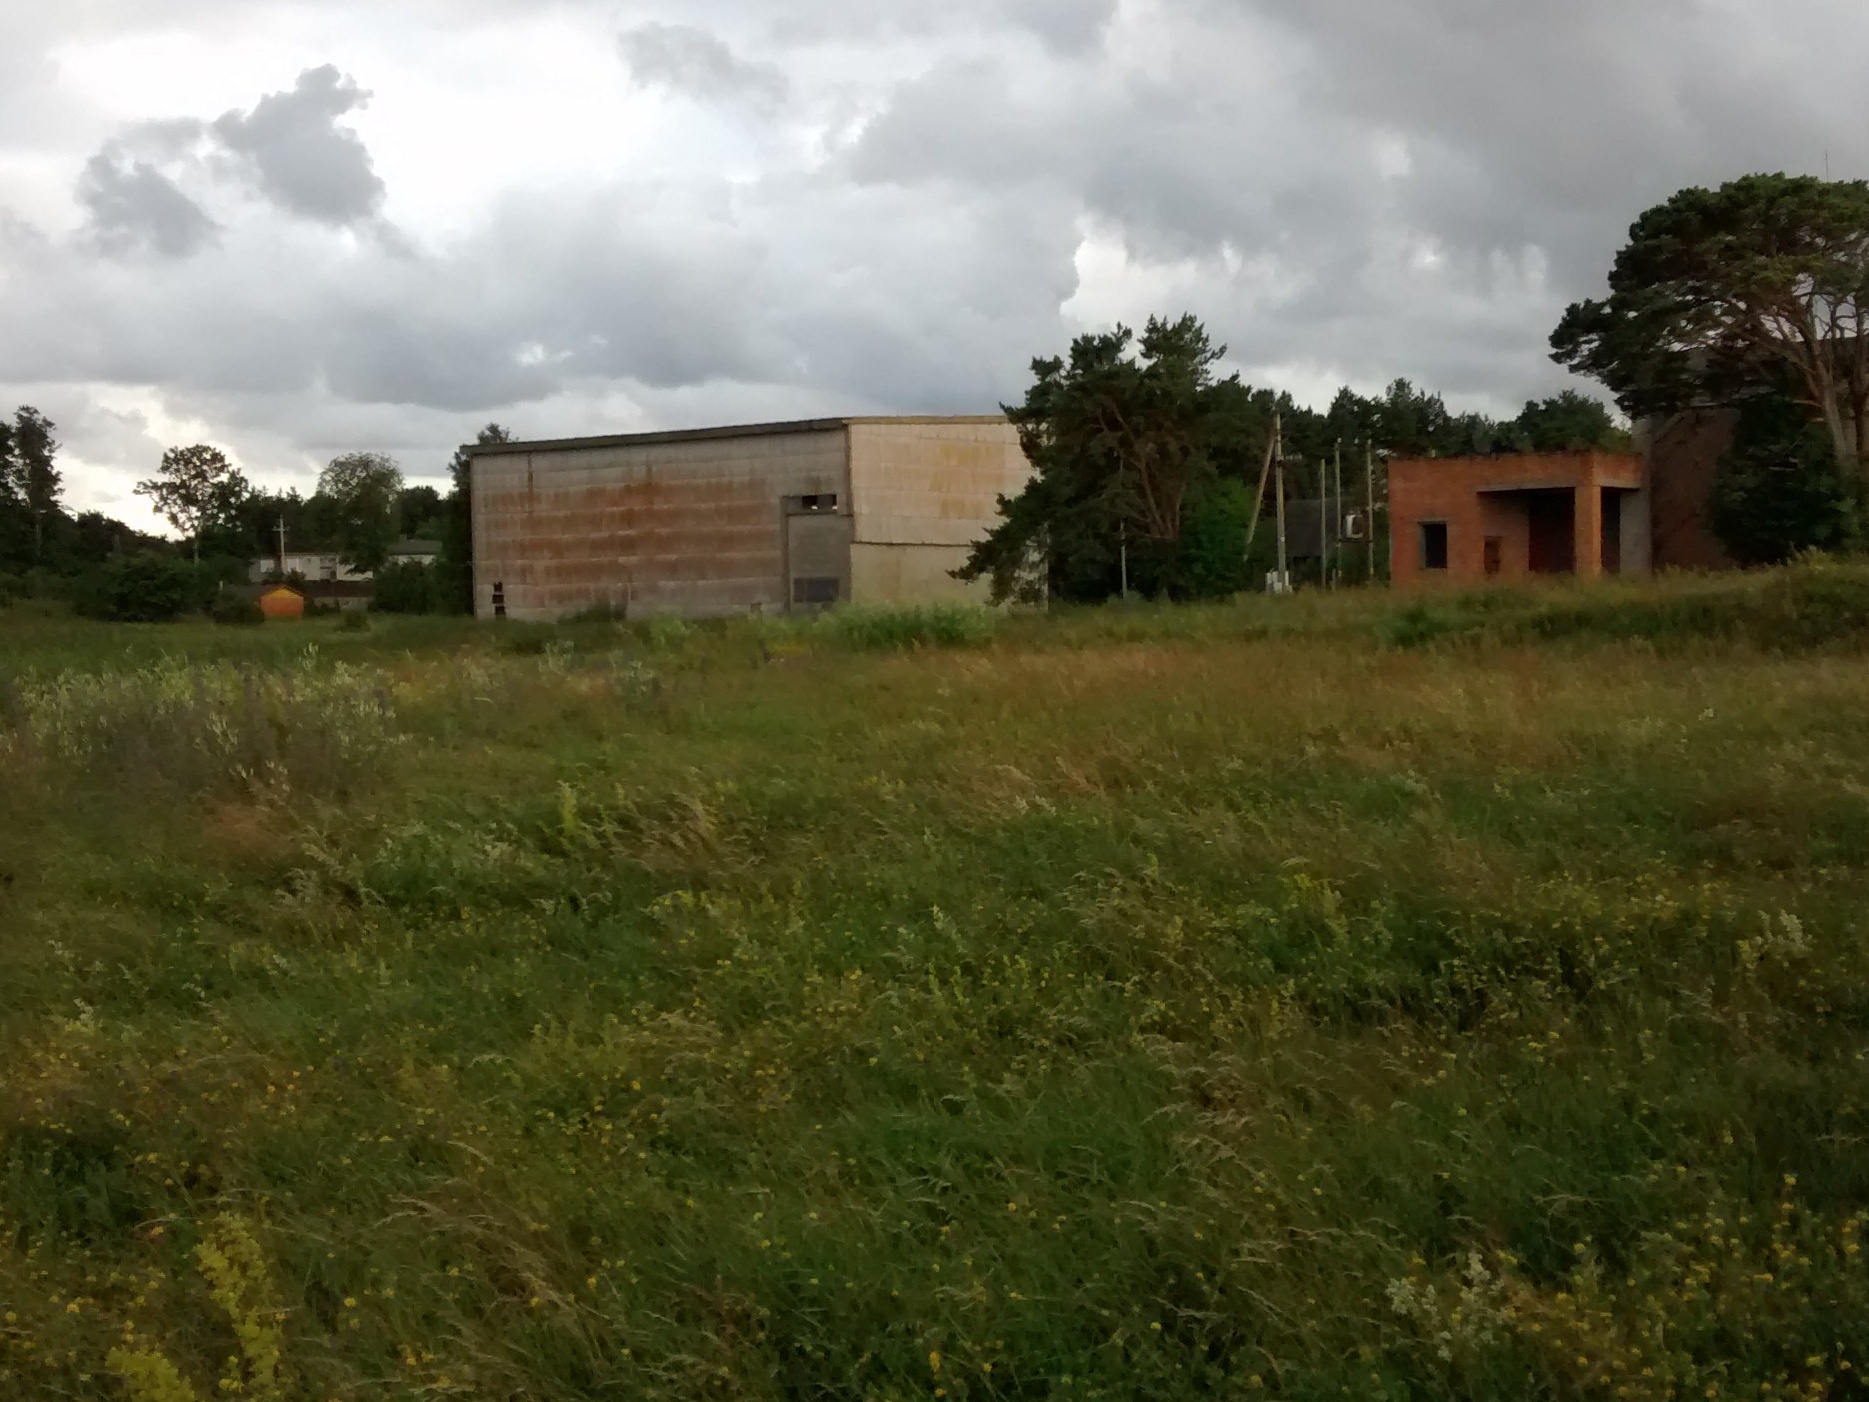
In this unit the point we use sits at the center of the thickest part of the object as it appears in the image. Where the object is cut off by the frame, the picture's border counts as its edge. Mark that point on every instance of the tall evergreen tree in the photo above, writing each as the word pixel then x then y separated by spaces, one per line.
pixel 1722 294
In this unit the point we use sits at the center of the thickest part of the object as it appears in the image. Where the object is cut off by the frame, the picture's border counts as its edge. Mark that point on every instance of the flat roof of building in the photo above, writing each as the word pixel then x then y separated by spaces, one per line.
pixel 692 435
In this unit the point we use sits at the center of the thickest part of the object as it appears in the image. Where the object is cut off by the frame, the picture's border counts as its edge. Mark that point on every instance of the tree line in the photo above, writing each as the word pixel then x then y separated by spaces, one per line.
pixel 362 506
pixel 1749 301
pixel 1147 463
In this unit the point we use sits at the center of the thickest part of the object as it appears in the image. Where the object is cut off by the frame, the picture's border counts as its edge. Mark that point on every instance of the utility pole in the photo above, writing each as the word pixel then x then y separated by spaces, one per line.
pixel 282 546
pixel 1323 524
pixel 1284 578
pixel 1265 477
pixel 1369 511
pixel 1336 518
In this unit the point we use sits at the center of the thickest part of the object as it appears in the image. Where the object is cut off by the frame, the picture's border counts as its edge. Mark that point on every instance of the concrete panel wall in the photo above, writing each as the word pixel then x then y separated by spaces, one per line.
pixel 692 528
pixel 1637 540
pixel 912 574
pixel 931 482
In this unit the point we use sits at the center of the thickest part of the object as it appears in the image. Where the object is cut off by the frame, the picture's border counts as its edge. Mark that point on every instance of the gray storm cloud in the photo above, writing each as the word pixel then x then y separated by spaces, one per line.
pixel 131 205
pixel 931 196
pixel 699 64
pixel 300 157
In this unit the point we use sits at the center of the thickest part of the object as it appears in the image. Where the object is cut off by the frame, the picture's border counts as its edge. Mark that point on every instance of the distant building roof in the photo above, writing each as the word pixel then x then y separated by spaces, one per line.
pixel 690 435
pixel 416 547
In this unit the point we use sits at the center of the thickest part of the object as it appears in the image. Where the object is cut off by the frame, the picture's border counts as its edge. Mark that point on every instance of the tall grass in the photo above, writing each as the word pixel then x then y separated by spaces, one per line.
pixel 909 626
pixel 1149 1003
pixel 188 729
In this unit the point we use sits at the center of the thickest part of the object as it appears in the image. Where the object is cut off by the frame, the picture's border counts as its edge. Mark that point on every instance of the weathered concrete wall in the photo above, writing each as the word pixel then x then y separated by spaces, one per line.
pixel 1473 496
pixel 921 574
pixel 693 526
pixel 923 491
pixel 1637 534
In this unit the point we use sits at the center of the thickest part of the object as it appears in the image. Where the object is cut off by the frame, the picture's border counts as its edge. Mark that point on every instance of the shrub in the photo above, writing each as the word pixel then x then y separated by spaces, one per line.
pixel 234 607
pixel 1778 490
pixel 144 589
pixel 406 586
pixel 1212 557
pixel 911 626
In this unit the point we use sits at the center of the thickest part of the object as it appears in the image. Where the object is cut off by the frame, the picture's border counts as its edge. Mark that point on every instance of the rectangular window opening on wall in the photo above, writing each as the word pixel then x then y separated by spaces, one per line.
pixel 1434 545
pixel 811 504
pixel 816 589
pixel 1495 555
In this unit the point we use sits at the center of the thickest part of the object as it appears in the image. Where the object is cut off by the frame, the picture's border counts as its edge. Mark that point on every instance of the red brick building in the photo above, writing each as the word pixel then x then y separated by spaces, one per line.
pixel 1467 521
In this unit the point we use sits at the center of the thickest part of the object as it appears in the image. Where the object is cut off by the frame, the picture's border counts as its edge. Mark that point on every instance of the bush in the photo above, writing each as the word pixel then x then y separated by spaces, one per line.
pixel 1778 490
pixel 1803 607
pixel 911 626
pixel 1212 560
pixel 406 586
pixel 145 589
pixel 236 608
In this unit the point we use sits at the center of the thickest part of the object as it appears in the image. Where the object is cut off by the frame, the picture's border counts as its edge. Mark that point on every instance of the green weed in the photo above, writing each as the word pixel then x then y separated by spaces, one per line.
pixel 1313 997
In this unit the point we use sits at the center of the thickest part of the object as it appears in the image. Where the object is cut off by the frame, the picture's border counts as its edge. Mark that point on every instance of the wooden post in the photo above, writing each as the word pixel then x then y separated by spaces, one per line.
pixel 1336 516
pixel 1265 473
pixel 1284 578
pixel 1369 512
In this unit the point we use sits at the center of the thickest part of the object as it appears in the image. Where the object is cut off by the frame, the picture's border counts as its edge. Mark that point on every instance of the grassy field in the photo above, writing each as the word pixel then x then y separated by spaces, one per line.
pixel 1308 998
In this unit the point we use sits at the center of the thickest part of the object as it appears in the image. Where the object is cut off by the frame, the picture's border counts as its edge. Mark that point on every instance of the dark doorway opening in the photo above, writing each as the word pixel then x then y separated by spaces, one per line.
pixel 1612 531
pixel 1495 555
pixel 1551 515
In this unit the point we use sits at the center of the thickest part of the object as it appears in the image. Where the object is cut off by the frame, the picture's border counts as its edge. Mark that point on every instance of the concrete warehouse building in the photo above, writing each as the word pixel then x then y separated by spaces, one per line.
pixel 767 517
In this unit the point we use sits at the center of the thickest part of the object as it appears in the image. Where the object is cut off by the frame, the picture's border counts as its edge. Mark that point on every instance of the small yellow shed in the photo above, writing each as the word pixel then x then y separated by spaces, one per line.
pixel 282 603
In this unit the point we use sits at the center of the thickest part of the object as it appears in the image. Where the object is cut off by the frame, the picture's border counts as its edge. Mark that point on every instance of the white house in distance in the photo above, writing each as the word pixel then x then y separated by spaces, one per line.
pixel 325 567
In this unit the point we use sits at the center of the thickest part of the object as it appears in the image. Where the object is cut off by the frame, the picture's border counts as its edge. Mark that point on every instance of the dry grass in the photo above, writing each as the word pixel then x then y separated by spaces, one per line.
pixel 1227 1002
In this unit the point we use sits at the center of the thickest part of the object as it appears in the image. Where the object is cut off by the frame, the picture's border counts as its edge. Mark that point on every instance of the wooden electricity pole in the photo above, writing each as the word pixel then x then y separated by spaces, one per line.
pixel 1284 579
pixel 1265 474
pixel 1336 517
pixel 1369 511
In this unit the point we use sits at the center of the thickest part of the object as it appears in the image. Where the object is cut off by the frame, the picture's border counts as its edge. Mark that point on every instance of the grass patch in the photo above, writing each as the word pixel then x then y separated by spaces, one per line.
pixel 1230 1001
pixel 906 627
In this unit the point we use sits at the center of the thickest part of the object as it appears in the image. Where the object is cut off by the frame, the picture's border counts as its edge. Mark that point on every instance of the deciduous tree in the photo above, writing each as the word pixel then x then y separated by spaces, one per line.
pixel 35 473
pixel 195 490
pixel 366 489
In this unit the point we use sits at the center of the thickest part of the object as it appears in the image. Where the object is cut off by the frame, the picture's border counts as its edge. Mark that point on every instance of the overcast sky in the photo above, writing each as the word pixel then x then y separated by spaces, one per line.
pixel 296 229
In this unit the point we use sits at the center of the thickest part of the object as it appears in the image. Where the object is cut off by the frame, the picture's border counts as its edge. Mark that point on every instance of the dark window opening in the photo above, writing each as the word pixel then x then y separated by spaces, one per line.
pixel 1495 555
pixel 499 600
pixel 1434 545
pixel 815 503
pixel 816 589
